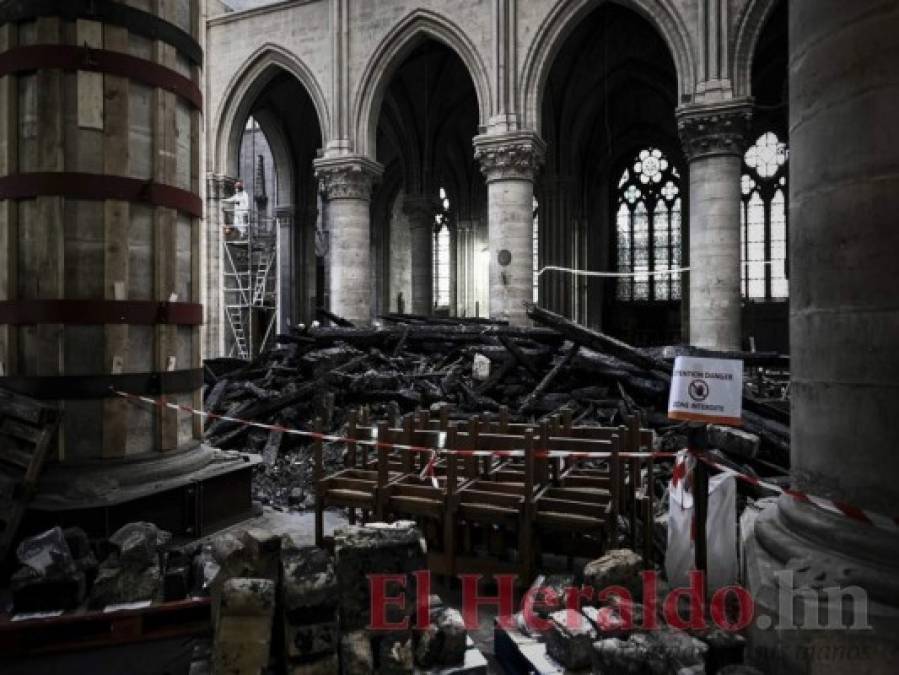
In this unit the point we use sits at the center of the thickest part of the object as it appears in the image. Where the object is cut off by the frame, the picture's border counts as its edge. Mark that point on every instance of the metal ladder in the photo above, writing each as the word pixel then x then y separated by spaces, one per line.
pixel 259 286
pixel 240 338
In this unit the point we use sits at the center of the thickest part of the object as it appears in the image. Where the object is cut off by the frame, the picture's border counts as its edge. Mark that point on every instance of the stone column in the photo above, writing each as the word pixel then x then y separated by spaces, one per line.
pixel 289 268
pixel 346 182
pixel 714 138
pixel 844 323
pixel 420 211
pixel 510 162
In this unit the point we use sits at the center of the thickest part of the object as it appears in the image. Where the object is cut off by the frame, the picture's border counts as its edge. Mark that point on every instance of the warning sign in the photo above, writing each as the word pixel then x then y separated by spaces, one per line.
pixel 707 390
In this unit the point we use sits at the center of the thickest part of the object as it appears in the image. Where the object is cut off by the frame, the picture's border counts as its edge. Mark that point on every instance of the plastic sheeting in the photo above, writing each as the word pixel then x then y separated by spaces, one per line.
pixel 721 529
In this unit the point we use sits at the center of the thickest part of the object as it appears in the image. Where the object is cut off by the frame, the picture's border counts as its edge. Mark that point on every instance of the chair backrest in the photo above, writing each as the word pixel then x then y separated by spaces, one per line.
pixel 634 439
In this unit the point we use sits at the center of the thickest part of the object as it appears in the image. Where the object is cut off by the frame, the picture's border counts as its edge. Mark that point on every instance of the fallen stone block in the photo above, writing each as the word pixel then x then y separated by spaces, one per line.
pixel 549 593
pixel 311 640
pixel 47 553
pixel 328 665
pixel 356 654
pixel 569 639
pixel 739 669
pixel 608 622
pixel 82 553
pixel 49 578
pixel 261 543
pixel 443 643
pixel 243 632
pixel 115 584
pixel 376 549
pixel 34 593
pixel 309 588
pixel 176 580
pixel 138 544
pixel 620 567
pixel 660 652
pixel 204 570
pixel 680 649
pixel 613 656
pixel 725 648
pixel 734 441
pixel 473 663
pixel 224 546
pixel 395 654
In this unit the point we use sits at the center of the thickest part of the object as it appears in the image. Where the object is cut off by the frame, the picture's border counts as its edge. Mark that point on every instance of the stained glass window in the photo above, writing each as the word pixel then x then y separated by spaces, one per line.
pixel 442 257
pixel 764 220
pixel 648 225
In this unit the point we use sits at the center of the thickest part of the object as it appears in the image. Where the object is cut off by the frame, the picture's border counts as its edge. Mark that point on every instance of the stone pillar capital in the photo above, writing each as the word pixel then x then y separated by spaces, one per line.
pixel 517 156
pixel 720 129
pixel 219 186
pixel 350 177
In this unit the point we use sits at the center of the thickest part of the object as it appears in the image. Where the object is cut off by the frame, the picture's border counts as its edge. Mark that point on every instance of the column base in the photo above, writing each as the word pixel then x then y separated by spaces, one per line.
pixel 826 593
pixel 190 492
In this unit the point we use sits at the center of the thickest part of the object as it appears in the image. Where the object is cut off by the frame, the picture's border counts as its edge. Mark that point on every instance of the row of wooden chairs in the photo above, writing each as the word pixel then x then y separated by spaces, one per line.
pixel 532 504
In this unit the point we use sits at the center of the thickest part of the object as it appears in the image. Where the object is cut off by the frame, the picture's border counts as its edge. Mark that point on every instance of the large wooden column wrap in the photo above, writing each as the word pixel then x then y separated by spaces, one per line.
pixel 100 105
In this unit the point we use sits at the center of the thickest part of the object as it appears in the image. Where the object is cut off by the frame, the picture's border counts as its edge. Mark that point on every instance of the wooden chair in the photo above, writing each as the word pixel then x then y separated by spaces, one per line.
pixel 353 488
pixel 630 490
pixel 494 507
pixel 576 516
pixel 427 498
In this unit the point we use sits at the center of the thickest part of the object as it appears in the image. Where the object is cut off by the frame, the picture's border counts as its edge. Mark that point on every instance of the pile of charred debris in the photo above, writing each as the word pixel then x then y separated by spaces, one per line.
pixel 475 367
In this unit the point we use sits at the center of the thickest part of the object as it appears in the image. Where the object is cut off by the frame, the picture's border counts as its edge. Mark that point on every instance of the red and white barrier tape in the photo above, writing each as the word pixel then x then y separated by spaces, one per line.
pixel 855 513
pixel 375 443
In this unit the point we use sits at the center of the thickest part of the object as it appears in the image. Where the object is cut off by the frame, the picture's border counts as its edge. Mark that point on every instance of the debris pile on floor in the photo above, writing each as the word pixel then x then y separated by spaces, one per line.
pixel 610 633
pixel 272 601
pixel 472 366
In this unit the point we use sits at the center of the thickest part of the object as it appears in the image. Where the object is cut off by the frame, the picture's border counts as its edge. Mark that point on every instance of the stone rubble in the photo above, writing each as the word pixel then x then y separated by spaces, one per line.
pixel 132 571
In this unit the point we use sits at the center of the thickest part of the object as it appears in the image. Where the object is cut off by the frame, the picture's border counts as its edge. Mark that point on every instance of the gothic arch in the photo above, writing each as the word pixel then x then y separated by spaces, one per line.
pixel 561 21
pixel 396 45
pixel 749 30
pixel 276 137
pixel 242 91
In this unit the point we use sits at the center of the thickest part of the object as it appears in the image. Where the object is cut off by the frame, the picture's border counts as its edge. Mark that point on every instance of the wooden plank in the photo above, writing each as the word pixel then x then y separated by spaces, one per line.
pixel 14 452
pixel 17 429
pixel 17 458
pixel 48 254
pixel 9 161
pixel 165 239
pixel 13 405
pixel 197 233
pixel 89 104
pixel 117 220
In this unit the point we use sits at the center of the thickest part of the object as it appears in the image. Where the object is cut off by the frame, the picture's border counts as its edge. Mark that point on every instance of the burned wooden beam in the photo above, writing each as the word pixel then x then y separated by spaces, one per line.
pixel 548 379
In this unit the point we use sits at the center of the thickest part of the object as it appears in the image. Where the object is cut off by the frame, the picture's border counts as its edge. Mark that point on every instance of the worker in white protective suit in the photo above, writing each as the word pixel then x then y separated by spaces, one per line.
pixel 241 205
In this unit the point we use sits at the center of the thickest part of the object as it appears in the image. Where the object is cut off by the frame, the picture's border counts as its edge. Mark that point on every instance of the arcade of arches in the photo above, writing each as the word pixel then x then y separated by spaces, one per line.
pixel 446 171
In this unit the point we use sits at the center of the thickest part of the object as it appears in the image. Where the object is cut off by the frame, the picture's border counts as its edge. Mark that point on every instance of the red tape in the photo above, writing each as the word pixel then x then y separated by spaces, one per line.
pixel 848 510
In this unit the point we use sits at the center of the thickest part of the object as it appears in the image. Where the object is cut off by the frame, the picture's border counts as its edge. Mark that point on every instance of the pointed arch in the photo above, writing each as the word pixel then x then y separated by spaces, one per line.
pixel 244 88
pixel 749 30
pixel 565 17
pixel 416 27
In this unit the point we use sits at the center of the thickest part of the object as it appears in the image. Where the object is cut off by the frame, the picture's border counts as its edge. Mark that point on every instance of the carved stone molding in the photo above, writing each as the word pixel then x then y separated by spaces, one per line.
pixel 715 130
pixel 347 177
pixel 509 156
pixel 219 186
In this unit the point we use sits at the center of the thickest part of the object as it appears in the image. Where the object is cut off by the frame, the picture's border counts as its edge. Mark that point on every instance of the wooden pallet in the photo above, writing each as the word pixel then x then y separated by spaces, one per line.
pixel 27 428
